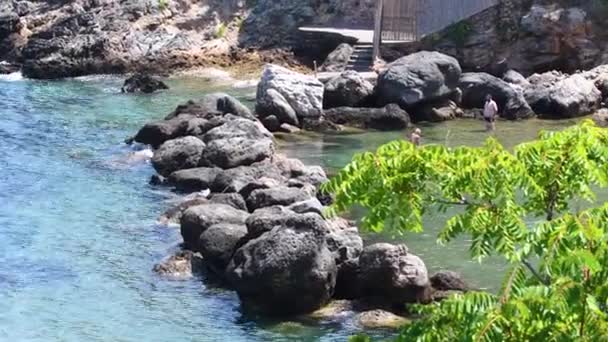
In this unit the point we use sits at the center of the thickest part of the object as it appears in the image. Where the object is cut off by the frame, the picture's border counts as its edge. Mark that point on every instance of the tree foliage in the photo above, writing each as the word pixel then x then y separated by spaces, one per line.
pixel 516 204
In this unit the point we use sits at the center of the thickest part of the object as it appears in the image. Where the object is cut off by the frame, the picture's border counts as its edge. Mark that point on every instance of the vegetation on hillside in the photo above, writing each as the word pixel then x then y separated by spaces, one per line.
pixel 517 204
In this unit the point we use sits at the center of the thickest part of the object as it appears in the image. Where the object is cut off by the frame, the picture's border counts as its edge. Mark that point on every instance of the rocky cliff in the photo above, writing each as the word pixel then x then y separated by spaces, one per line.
pixel 526 35
pixel 58 38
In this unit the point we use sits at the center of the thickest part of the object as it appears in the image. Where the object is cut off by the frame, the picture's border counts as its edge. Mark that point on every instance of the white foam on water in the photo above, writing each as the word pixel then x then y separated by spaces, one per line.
pixel 12 77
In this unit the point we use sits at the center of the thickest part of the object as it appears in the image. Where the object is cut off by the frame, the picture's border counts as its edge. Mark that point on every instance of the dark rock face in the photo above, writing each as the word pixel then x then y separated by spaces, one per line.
pixel 232 199
pixel 7 68
pixel 232 152
pixel 195 220
pixel 420 77
pixel 288 270
pixel 511 102
pixel 558 96
pixel 288 95
pixel 218 242
pixel 178 154
pixel 141 83
pixel 391 273
pixel 184 264
pixel 192 180
pixel 448 281
pixel 337 60
pixel 212 106
pixel 437 112
pixel 156 133
pixel 348 89
pixel 391 117
pixel 280 195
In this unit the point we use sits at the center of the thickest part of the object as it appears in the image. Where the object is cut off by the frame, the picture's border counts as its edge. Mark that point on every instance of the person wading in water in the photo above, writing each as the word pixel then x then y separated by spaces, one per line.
pixel 490 111
pixel 415 137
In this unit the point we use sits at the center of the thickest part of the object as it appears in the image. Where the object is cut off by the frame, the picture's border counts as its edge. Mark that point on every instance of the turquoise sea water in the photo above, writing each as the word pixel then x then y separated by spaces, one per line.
pixel 78 238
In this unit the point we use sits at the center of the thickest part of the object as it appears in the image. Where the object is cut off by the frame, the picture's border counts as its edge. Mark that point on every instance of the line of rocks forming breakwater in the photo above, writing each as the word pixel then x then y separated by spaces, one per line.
pixel 261 228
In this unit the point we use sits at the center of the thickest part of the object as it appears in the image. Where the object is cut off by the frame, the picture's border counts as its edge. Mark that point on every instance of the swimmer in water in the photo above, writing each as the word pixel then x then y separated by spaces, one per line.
pixel 415 137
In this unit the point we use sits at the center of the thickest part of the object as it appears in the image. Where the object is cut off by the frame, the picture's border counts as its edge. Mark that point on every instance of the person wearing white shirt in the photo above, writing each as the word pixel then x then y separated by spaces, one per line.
pixel 490 111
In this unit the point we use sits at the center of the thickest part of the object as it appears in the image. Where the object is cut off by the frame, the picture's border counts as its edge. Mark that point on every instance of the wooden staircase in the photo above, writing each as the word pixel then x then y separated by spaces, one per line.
pixel 362 58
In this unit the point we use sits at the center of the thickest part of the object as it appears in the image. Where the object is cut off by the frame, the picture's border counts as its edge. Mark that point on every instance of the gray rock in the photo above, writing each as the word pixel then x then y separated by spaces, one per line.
pixel 511 102
pixel 218 242
pixel 448 281
pixel 213 106
pixel 195 220
pixel 157 132
pixel 232 152
pixel 391 117
pixel 437 112
pixel 173 215
pixel 178 154
pixel 192 180
pixel 288 270
pixel 259 183
pixel 276 105
pixel 271 122
pixel 141 83
pixel 287 128
pixel 302 93
pixel 568 97
pixel 239 128
pixel 420 77
pixel 264 220
pixel 389 272
pixel 308 206
pixel 348 89
pixel 281 195
pixel 514 77
pixel 337 60
pixel 232 199
pixel 235 179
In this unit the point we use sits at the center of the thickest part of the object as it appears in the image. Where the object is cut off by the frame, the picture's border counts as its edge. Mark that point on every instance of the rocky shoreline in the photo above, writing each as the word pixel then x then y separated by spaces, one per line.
pixel 254 220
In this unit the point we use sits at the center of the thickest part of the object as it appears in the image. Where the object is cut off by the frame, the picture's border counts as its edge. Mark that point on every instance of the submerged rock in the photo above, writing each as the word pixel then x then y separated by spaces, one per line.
pixel 142 83
pixel 381 319
pixel 288 270
pixel 182 265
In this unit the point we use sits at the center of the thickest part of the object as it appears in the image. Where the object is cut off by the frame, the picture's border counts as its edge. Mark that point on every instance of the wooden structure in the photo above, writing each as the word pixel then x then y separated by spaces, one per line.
pixel 411 20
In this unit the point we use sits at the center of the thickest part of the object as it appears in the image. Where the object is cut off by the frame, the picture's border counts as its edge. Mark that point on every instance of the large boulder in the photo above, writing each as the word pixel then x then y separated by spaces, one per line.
pixel 218 242
pixel 192 180
pixel 337 60
pixel 559 96
pixel 142 83
pixel 288 270
pixel 283 93
pixel 238 128
pixel 280 195
pixel 195 220
pixel 213 105
pixel 265 219
pixel 349 89
pixel 346 245
pixel 178 154
pixel 448 281
pixel 390 273
pixel 511 102
pixel 232 199
pixel 420 77
pixel 390 117
pixel 232 152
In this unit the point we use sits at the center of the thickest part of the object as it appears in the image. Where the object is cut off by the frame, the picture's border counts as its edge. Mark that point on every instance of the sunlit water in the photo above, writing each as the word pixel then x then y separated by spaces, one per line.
pixel 77 221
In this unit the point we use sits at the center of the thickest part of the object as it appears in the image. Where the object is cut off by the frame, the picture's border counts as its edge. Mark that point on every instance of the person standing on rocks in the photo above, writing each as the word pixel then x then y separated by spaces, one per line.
pixel 490 111
pixel 415 137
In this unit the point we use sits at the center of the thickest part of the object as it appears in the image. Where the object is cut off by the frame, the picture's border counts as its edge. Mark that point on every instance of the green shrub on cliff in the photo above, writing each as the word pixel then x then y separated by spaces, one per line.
pixel 220 32
pixel 514 204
